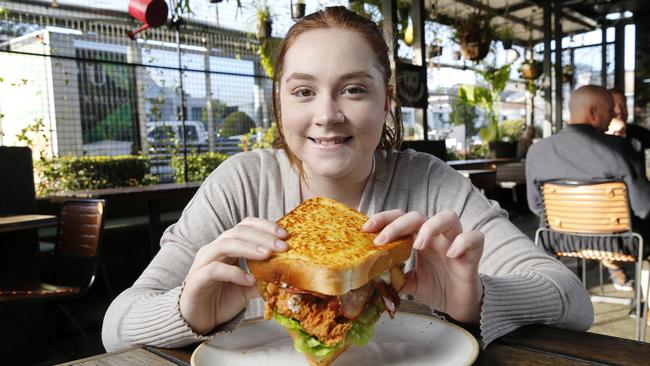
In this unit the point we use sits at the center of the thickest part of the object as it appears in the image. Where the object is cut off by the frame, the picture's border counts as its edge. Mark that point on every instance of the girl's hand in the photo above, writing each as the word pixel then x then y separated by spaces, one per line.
pixel 216 289
pixel 446 274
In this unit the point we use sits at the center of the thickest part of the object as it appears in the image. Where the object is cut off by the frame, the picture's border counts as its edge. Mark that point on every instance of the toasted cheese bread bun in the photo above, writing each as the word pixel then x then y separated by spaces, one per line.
pixel 328 252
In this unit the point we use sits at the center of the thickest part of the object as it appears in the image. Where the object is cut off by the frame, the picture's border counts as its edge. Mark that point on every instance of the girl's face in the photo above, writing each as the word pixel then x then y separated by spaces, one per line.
pixel 333 103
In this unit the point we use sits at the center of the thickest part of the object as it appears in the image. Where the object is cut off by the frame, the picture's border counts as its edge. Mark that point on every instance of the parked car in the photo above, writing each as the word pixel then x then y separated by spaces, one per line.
pixel 161 134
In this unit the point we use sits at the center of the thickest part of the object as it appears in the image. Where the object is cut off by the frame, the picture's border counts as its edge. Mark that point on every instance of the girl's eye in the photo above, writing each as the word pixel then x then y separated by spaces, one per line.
pixel 354 90
pixel 302 92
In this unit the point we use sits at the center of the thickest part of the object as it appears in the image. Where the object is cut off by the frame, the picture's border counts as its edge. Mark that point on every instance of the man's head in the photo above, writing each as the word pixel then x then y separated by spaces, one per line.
pixel 592 105
pixel 618 125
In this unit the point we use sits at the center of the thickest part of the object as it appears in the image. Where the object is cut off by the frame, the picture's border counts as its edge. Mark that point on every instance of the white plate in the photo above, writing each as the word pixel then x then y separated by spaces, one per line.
pixel 409 339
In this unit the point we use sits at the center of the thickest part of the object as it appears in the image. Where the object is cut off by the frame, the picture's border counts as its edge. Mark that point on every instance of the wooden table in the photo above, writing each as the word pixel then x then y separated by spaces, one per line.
pixel 23 222
pixel 479 163
pixel 531 345
pixel 153 194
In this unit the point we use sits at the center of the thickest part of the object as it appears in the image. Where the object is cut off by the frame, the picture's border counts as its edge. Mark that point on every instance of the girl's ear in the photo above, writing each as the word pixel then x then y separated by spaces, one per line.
pixel 389 94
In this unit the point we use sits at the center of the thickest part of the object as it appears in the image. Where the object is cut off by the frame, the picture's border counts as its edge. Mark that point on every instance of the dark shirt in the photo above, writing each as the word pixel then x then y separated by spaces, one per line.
pixel 638 138
pixel 580 152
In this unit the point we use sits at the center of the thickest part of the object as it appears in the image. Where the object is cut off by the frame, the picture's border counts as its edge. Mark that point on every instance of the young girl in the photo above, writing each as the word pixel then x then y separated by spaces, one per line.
pixel 339 128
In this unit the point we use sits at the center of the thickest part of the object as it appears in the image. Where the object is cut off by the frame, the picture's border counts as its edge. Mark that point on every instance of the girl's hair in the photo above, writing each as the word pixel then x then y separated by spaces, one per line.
pixel 339 17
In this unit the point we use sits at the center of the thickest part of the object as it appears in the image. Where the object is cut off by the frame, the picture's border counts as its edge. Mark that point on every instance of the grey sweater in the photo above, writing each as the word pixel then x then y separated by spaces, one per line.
pixel 522 285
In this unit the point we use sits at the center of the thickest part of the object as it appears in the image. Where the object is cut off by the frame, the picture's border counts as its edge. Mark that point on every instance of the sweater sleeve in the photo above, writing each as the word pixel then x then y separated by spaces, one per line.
pixel 148 312
pixel 522 284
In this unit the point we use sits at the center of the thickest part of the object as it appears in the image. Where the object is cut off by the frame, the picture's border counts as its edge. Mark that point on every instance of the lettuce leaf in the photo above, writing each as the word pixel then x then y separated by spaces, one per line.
pixel 304 342
pixel 363 328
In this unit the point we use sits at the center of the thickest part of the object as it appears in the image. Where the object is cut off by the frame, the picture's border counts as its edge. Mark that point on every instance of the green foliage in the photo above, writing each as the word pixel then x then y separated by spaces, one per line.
pixel 249 141
pixel 463 114
pixel 511 130
pixel 478 151
pixel 70 173
pixel 453 154
pixel 199 166
pixel 237 123
pixel 488 98
pixel 266 51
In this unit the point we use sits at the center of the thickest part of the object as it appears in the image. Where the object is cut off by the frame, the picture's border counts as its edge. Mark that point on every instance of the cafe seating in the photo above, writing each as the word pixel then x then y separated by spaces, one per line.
pixel 75 258
pixel 592 221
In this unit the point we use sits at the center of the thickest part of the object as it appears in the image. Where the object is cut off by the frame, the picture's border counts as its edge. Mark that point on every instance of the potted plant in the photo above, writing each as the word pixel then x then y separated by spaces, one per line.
pixel 434 50
pixel 531 69
pixel 506 35
pixel 474 34
pixel 488 98
pixel 298 9
pixel 567 73
pixel 264 22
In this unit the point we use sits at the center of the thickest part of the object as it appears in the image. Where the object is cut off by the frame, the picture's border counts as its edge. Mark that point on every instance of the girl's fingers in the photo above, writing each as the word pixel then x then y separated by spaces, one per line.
pixel 377 221
pixel 207 276
pixel 445 223
pixel 400 226
pixel 263 225
pixel 468 244
pixel 220 251
pixel 257 235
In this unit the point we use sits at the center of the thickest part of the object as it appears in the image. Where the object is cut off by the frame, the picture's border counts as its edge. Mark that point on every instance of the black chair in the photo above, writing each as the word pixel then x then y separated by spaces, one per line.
pixel 436 148
pixel 76 259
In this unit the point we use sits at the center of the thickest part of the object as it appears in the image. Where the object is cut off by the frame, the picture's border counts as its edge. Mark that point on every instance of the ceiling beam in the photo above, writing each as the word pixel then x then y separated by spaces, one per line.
pixel 516 7
pixel 480 6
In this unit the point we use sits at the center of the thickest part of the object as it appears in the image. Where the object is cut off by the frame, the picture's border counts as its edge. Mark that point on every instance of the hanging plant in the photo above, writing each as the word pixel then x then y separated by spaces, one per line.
pixel 265 51
pixel 298 9
pixel 434 50
pixel 567 73
pixel 531 69
pixel 474 34
pixel 264 22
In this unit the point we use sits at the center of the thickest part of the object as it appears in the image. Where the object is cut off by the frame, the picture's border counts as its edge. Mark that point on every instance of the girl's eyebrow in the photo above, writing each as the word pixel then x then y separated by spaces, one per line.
pixel 350 75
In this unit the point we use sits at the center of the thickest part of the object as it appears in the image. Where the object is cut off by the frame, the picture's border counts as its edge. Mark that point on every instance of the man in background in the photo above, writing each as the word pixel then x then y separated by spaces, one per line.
pixel 582 151
pixel 638 137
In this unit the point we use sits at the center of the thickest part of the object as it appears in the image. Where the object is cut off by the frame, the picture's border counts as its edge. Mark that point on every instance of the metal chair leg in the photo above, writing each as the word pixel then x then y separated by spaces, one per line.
pixel 72 320
pixel 600 275
pixel 584 272
pixel 638 295
pixel 107 282
pixel 645 276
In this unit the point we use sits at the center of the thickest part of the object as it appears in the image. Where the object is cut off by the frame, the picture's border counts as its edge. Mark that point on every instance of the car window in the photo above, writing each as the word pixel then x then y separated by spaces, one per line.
pixel 162 133
pixel 192 134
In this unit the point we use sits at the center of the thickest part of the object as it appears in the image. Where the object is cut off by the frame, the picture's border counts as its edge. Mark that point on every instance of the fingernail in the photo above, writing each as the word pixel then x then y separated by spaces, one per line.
pixel 281 231
pixel 249 278
pixel 281 245
pixel 419 242
pixel 367 225
pixel 452 252
pixel 381 239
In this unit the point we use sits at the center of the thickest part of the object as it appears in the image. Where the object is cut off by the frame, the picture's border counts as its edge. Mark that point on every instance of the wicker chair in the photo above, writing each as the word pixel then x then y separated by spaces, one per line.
pixel 592 221
pixel 76 256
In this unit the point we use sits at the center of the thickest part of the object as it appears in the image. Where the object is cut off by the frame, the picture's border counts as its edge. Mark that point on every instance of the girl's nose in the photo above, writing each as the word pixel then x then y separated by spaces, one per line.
pixel 328 113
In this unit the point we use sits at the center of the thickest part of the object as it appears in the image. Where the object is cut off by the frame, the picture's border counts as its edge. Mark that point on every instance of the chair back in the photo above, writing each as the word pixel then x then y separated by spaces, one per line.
pixel 80 228
pixel 587 208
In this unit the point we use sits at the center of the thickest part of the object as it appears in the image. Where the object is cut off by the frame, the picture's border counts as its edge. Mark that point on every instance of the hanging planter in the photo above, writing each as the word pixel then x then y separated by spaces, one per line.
pixel 567 73
pixel 474 35
pixel 531 69
pixel 507 44
pixel 298 10
pixel 434 50
pixel 457 55
pixel 264 23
